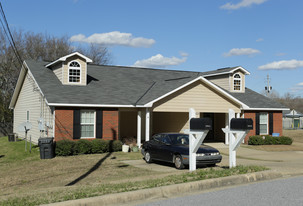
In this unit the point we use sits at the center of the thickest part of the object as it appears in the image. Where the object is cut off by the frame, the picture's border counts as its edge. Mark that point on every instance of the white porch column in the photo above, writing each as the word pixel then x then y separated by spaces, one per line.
pixel 226 127
pixel 147 124
pixel 139 129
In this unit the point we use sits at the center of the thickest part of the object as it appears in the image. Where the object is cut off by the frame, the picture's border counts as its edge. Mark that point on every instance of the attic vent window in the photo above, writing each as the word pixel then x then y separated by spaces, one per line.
pixel 74 72
pixel 237 82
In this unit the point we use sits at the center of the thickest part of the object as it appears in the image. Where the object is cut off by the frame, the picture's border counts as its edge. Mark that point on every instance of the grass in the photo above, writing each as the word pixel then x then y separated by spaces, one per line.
pixel 28 180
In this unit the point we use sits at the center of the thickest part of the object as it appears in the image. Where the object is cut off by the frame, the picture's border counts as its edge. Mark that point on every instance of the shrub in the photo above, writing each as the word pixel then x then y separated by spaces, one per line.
pixel 100 146
pixel 286 140
pixel 255 140
pixel 269 140
pixel 83 147
pixel 115 145
pixel 64 147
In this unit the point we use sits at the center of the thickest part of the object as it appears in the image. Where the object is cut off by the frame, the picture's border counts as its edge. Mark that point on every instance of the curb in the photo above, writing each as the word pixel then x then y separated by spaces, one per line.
pixel 170 190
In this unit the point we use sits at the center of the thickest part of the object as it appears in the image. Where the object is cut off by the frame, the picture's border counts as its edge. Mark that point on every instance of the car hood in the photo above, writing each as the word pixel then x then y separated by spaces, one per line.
pixel 202 149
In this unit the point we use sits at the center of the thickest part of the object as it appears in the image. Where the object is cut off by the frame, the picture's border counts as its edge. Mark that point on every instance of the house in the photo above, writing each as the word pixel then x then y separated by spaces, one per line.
pixel 292 119
pixel 71 98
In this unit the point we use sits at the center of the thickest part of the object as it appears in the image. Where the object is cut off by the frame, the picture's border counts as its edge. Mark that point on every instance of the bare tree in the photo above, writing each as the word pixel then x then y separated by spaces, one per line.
pixel 38 47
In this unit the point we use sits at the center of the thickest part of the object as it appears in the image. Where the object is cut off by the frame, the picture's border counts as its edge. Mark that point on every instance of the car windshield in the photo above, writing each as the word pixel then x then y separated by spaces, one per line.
pixel 179 139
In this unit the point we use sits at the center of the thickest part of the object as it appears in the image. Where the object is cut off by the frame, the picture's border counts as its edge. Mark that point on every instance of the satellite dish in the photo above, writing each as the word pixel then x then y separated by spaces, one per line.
pixel 24 127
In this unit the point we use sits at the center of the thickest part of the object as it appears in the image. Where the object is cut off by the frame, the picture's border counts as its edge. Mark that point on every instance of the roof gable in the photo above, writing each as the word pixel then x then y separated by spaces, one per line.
pixel 62 59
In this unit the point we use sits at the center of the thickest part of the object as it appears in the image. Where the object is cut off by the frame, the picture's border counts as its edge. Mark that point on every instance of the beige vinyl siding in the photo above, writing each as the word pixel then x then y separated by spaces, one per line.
pixel 57 69
pixel 170 122
pixel 221 80
pixel 198 96
pixel 29 99
pixel 82 62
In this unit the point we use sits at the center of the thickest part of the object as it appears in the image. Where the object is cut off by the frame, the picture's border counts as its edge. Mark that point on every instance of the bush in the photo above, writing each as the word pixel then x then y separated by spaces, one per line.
pixel 286 140
pixel 269 140
pixel 255 140
pixel 82 147
pixel 64 147
pixel 69 147
pixel 100 146
pixel 115 145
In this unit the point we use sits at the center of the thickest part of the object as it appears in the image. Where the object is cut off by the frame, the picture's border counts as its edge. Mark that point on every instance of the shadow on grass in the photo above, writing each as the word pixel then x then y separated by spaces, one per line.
pixel 2 156
pixel 95 167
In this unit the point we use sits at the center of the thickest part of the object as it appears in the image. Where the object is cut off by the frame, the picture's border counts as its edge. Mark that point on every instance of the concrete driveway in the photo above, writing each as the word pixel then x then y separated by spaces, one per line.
pixel 286 162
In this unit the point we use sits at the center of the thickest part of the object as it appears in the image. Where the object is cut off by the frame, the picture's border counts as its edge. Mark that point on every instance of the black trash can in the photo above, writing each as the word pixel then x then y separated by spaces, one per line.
pixel 11 137
pixel 47 148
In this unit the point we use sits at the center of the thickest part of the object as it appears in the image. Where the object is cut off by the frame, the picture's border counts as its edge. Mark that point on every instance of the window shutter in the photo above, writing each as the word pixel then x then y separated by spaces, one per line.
pixel 257 123
pixel 271 123
pixel 77 126
pixel 99 123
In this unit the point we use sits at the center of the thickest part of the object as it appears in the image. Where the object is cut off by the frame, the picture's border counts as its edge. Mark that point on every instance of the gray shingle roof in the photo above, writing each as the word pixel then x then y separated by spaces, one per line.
pixel 256 100
pixel 116 85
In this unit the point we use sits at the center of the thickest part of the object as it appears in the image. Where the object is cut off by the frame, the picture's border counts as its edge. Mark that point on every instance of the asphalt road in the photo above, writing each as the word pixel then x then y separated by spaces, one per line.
pixel 270 193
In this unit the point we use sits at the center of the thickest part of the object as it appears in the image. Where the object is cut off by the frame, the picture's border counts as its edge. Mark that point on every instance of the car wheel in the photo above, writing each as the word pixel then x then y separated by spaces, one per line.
pixel 178 162
pixel 147 157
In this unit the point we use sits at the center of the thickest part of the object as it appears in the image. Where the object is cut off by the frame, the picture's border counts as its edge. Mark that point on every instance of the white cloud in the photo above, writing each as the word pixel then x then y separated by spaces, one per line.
pixel 300 84
pixel 280 54
pixel 282 65
pixel 241 51
pixel 114 38
pixel 159 61
pixel 183 54
pixel 260 39
pixel 243 3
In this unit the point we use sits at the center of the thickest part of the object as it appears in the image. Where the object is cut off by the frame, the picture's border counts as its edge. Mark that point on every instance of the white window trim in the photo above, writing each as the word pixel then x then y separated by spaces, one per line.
pixel 240 79
pixel 266 123
pixel 80 68
pixel 88 110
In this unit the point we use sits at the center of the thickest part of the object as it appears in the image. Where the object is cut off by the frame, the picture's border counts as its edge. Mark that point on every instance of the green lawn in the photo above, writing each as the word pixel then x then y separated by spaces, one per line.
pixel 28 180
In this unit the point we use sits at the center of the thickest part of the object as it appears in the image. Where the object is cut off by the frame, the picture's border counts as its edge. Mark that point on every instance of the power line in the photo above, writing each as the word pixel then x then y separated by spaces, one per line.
pixel 9 34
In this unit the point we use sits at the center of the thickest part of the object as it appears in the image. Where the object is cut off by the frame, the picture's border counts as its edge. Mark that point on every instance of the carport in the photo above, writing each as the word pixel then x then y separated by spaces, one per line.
pixel 169 113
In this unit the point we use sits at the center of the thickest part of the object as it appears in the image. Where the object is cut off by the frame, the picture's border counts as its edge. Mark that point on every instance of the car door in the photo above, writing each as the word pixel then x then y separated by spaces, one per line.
pixel 165 148
pixel 154 146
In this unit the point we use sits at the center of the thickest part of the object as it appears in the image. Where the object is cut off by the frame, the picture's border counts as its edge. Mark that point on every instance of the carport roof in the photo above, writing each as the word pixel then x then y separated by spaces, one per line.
pixel 119 86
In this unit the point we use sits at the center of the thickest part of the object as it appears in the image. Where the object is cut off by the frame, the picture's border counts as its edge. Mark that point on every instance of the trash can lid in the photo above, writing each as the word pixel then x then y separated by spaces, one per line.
pixel 45 140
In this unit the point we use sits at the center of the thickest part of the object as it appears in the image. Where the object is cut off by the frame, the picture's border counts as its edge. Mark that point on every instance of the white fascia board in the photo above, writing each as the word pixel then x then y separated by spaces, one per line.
pixel 88 60
pixel 93 105
pixel 266 109
pixel 230 72
pixel 17 89
pixel 201 78
pixel 32 76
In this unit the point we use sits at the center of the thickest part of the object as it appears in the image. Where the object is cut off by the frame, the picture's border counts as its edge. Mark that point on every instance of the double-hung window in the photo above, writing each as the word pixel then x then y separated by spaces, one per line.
pixel 263 123
pixel 87 122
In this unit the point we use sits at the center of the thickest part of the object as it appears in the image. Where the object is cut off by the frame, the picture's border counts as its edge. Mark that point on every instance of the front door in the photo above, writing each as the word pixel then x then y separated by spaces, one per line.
pixel 210 137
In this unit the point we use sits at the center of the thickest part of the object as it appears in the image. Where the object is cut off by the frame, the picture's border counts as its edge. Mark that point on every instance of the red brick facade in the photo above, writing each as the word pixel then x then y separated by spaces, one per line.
pixel 277 122
pixel 64 124
pixel 110 125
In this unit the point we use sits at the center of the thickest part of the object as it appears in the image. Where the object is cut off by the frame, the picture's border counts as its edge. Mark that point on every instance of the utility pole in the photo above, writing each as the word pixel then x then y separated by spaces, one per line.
pixel 268 88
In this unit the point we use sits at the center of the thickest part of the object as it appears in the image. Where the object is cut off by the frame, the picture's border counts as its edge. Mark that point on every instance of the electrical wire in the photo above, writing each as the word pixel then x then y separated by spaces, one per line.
pixel 9 35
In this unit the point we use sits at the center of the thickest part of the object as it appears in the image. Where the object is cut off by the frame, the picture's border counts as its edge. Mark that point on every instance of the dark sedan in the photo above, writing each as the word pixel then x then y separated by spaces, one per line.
pixel 174 148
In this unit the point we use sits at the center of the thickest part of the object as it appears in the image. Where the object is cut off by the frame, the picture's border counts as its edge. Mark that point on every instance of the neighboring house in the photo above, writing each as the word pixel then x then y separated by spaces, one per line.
pixel 73 99
pixel 292 119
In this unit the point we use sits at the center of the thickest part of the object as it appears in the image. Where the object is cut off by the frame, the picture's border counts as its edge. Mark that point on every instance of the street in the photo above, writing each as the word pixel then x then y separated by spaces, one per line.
pixel 277 192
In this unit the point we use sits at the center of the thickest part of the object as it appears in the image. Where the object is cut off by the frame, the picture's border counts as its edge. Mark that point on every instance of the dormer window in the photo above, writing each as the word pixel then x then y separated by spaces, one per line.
pixel 74 72
pixel 237 82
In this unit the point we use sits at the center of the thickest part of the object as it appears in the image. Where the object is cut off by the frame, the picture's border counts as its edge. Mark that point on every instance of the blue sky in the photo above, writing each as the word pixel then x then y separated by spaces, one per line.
pixel 263 36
